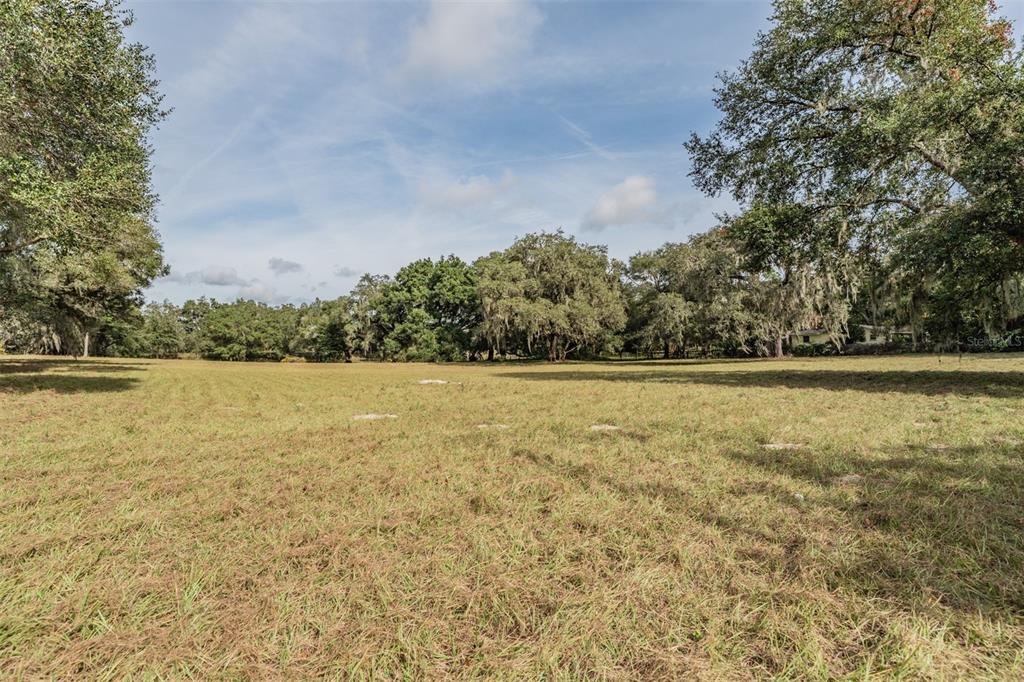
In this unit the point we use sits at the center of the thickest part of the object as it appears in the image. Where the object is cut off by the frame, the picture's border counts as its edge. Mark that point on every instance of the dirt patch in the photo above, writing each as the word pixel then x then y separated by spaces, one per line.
pixel 782 446
pixel 605 427
pixel 371 417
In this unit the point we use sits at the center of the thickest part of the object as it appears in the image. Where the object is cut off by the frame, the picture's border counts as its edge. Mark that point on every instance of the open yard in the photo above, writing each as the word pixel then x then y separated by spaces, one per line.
pixel 801 519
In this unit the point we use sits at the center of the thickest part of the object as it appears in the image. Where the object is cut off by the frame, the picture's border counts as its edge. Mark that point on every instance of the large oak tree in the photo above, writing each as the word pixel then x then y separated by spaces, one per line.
pixel 77 103
pixel 894 126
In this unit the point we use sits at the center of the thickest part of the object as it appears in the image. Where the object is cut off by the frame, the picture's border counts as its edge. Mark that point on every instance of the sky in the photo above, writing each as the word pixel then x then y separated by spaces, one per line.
pixel 312 142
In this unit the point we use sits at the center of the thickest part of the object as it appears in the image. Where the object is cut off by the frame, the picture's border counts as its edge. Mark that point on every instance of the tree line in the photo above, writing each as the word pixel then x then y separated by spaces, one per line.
pixel 547 296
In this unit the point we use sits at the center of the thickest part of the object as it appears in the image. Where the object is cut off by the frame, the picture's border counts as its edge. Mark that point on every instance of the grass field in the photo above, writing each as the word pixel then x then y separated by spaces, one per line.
pixel 178 518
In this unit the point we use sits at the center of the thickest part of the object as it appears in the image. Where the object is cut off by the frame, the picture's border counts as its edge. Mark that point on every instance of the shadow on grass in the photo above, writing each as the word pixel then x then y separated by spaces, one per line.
pixel 66 376
pixel 916 528
pixel 926 382
pixel 683 362
pixel 22 366
pixel 943 525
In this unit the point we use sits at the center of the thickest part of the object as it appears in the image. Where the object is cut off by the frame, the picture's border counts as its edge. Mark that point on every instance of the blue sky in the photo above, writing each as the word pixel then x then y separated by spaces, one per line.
pixel 313 142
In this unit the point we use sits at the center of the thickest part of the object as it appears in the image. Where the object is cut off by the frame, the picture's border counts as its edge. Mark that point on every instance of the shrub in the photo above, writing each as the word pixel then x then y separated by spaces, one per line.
pixel 814 350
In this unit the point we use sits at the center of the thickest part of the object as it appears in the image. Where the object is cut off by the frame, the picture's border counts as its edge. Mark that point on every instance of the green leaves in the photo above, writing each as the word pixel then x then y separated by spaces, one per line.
pixel 76 104
pixel 563 294
pixel 854 126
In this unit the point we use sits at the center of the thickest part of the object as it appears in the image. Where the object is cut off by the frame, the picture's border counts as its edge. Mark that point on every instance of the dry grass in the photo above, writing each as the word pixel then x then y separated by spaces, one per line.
pixel 176 519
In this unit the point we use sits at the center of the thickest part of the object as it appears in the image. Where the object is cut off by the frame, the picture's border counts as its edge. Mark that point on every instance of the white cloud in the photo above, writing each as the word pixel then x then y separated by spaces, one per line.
pixel 211 275
pixel 345 273
pixel 464 192
pixel 257 291
pixel 280 266
pixel 629 202
pixel 475 40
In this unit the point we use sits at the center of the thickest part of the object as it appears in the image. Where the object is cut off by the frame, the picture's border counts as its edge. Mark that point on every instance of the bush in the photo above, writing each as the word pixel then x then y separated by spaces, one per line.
pixel 894 347
pixel 814 350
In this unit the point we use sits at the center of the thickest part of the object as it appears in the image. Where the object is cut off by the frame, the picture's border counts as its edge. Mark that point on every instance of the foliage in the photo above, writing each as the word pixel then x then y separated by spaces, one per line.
pixel 76 105
pixel 246 330
pixel 892 130
pixel 325 331
pixel 690 297
pixel 428 312
pixel 564 295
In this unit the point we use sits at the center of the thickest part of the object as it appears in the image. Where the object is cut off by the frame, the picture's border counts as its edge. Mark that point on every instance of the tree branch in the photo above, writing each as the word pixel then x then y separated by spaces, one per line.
pixel 11 249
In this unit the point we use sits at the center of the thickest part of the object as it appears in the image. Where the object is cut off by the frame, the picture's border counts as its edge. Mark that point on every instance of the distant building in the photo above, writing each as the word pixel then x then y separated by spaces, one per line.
pixel 809 337
pixel 880 335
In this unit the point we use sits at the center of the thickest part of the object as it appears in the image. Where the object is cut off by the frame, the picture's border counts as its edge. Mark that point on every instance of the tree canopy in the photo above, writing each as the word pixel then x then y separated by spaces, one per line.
pixel 77 103
pixel 887 128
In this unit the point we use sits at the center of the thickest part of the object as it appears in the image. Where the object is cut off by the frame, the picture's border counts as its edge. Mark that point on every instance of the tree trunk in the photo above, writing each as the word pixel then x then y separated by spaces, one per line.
pixel 490 353
pixel 85 346
pixel 778 346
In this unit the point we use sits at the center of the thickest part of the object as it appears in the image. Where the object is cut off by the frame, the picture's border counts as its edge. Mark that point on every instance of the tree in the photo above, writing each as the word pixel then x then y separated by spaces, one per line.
pixel 325 331
pixel 246 330
pixel 501 289
pixel 76 105
pixel 690 295
pixel 453 304
pixel 428 312
pixel 792 282
pixel 369 325
pixel 888 124
pixel 572 296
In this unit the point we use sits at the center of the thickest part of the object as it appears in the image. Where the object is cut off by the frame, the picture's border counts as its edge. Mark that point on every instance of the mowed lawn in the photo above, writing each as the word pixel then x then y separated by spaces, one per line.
pixel 216 520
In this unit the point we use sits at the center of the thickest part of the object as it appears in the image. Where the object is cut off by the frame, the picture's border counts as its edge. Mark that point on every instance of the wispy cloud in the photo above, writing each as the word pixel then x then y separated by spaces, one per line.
pixel 258 291
pixel 463 192
pixel 345 273
pixel 584 138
